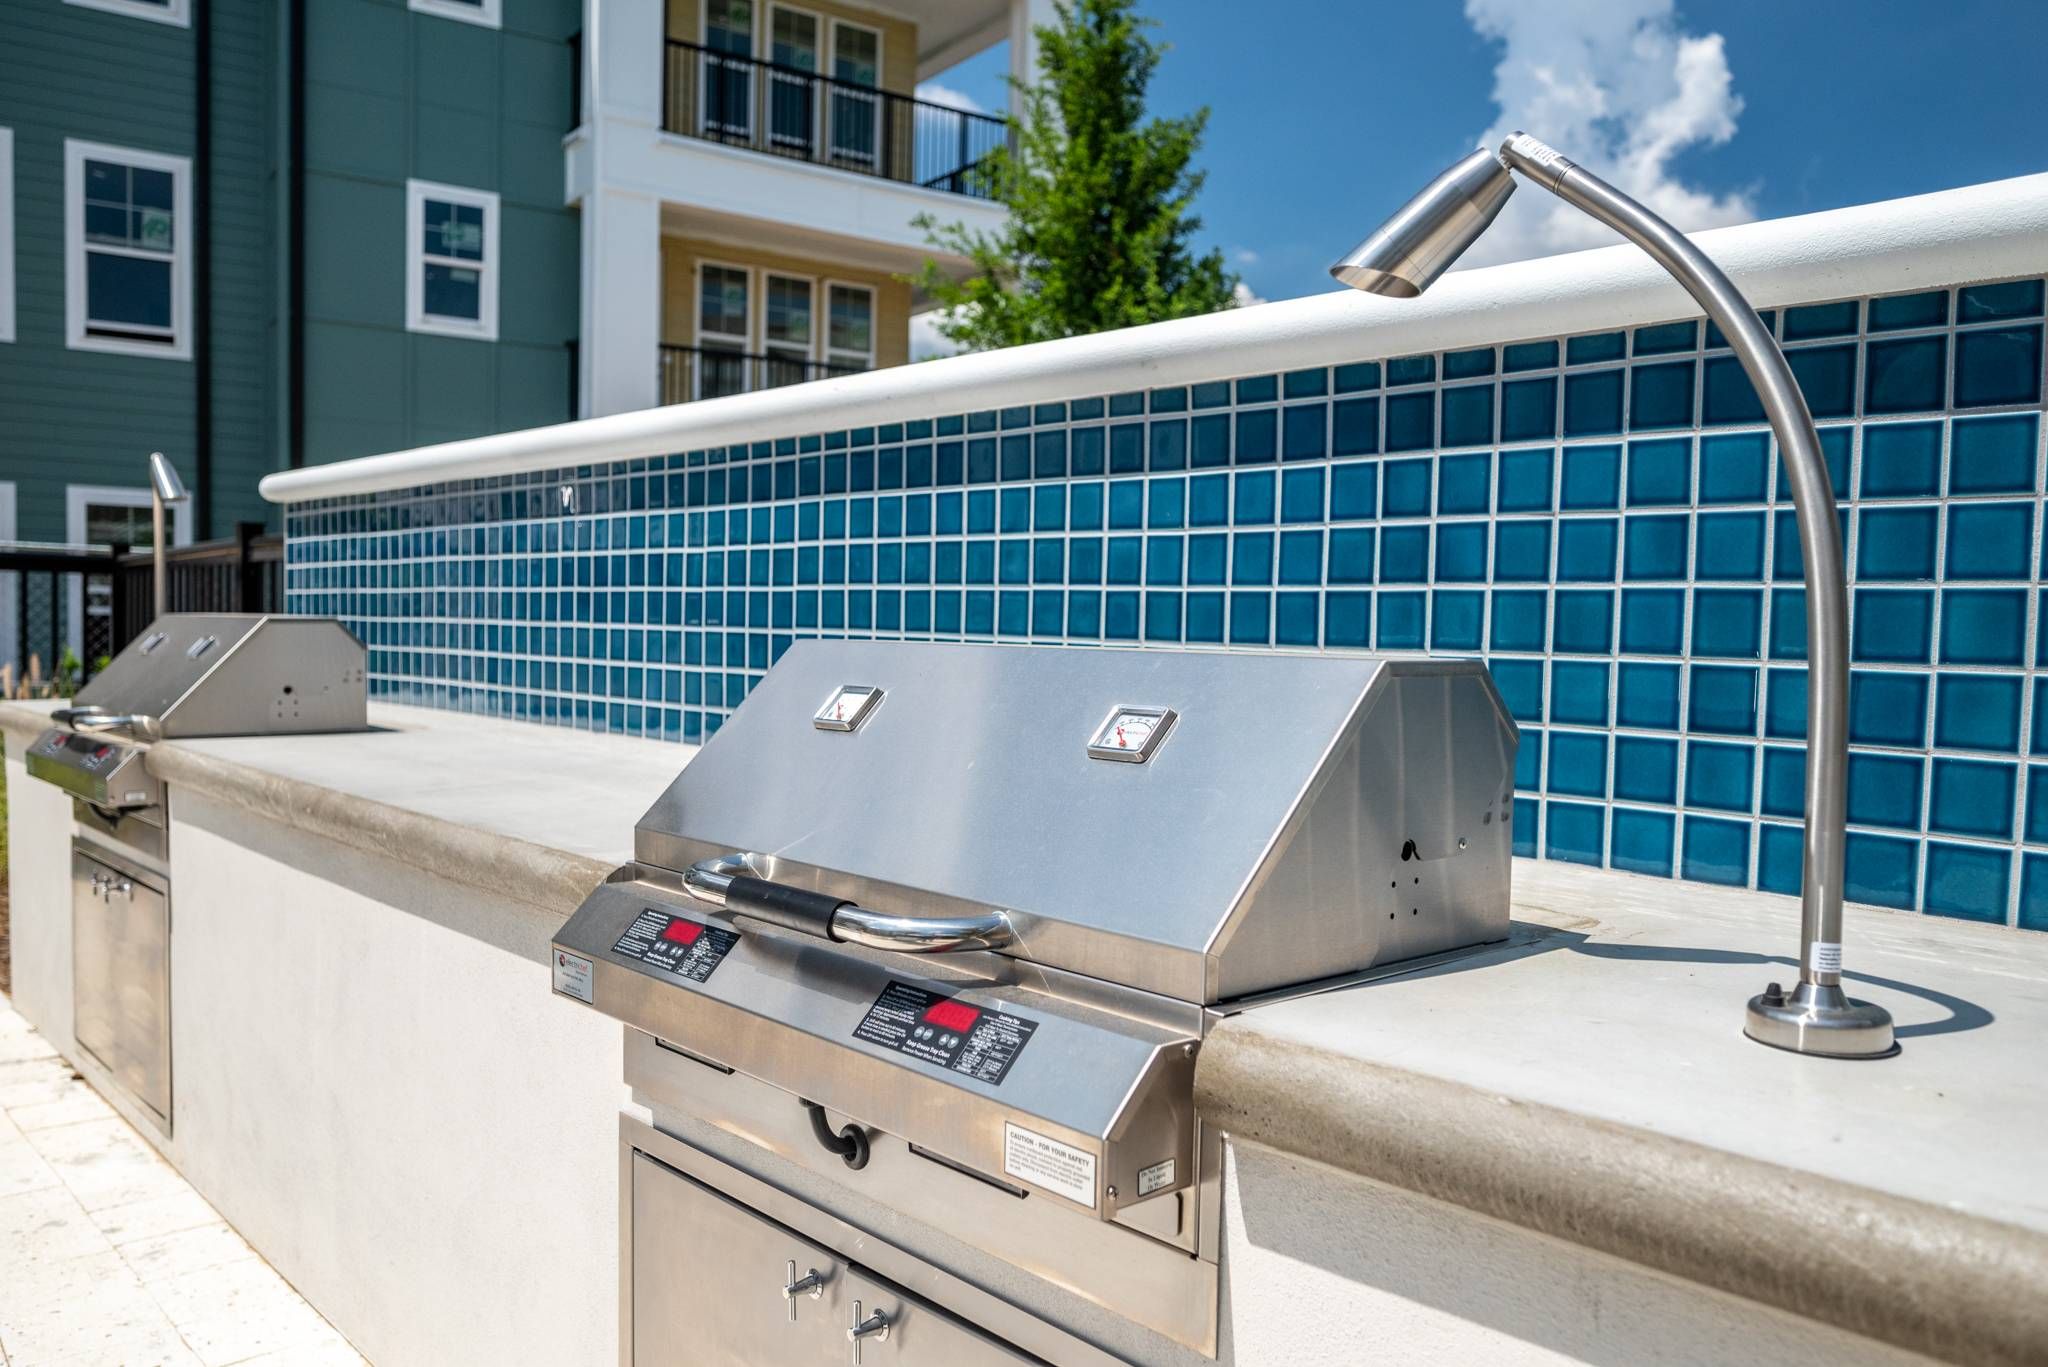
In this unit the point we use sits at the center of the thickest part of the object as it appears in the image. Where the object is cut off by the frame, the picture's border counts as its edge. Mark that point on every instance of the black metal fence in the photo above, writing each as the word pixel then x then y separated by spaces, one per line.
pixel 74 607
pixel 789 112
pixel 689 372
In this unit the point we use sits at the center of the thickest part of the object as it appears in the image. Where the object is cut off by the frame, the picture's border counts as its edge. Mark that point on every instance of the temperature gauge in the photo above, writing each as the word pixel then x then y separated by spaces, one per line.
pixel 1131 734
pixel 847 708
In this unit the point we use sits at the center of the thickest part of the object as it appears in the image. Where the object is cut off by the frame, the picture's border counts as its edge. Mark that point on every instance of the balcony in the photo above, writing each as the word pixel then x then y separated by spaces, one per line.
pixel 800 115
pixel 689 373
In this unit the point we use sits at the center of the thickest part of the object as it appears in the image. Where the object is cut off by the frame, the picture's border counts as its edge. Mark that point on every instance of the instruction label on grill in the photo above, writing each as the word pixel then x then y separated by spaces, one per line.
pixel 1045 1162
pixel 973 1040
pixel 676 944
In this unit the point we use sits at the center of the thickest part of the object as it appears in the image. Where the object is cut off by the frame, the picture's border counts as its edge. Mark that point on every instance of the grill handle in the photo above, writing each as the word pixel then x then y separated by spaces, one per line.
pixel 87 719
pixel 728 881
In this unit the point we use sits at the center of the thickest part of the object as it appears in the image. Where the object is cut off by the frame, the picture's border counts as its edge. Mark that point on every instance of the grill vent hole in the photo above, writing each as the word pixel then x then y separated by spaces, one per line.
pixel 1408 851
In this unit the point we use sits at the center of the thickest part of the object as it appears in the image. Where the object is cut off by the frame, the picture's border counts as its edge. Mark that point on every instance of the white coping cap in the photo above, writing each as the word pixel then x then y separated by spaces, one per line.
pixel 1979 232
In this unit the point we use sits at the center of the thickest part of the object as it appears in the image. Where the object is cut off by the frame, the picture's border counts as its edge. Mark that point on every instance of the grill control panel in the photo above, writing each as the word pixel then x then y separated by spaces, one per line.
pixel 105 772
pixel 82 752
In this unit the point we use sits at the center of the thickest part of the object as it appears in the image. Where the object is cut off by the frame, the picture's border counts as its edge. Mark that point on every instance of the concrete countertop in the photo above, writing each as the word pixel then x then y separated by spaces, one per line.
pixel 1589 1079
pixel 540 814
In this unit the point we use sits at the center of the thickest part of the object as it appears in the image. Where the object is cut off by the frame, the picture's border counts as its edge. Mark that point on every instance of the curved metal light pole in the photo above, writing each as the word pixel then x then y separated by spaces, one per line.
pixel 165 488
pixel 1420 242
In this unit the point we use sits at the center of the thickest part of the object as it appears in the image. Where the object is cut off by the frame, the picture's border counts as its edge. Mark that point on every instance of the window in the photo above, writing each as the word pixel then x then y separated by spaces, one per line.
pixel 728 68
pixel 787 331
pixel 107 515
pixel 6 234
pixel 792 98
pixel 177 12
pixel 856 114
pixel 451 283
pixel 724 325
pixel 484 12
pixel 128 251
pixel 850 336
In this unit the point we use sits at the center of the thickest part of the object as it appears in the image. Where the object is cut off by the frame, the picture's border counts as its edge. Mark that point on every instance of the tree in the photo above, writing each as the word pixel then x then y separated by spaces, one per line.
pixel 1099 233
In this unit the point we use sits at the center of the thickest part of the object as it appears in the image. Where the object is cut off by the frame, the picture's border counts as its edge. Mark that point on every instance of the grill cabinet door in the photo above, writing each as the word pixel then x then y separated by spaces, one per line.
pixel 121 978
pixel 707 1279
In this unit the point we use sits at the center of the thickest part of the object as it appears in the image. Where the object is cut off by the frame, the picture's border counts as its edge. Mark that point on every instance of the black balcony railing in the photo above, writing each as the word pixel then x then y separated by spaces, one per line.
pixel 788 112
pixel 700 372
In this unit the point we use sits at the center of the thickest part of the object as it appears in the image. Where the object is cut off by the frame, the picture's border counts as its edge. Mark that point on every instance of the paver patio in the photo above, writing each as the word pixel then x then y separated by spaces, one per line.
pixel 108 1256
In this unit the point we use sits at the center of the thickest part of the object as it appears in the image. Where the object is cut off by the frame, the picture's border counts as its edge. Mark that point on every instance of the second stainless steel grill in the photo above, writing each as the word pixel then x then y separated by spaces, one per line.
pixel 186 675
pixel 979 905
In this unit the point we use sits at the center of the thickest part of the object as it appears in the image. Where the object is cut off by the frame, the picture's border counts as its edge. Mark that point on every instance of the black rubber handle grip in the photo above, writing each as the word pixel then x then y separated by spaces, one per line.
pixel 797 909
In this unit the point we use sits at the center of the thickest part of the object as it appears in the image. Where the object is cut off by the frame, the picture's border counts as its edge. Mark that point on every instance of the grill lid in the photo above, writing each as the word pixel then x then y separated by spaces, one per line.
pixel 1202 825
pixel 227 674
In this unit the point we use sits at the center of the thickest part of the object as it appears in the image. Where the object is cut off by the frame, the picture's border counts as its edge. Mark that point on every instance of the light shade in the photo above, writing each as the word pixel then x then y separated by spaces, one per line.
pixel 163 478
pixel 1430 231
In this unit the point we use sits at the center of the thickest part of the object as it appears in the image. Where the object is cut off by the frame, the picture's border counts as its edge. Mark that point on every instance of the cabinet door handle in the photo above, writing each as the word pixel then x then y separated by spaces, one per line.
pixel 810 1284
pixel 875 1326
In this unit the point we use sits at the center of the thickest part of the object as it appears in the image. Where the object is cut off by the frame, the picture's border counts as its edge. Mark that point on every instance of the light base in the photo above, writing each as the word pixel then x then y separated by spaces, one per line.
pixel 1820 1019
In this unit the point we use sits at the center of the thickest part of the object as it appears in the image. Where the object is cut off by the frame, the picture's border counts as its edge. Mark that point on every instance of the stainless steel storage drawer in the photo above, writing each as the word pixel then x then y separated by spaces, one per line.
pixel 121 976
pixel 708 1281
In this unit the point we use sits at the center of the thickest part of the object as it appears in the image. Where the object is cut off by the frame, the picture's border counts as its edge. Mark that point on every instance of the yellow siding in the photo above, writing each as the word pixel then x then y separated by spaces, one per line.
pixel 899 36
pixel 679 258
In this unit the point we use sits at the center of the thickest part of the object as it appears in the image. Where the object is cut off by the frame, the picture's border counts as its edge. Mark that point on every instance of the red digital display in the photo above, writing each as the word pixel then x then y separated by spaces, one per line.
pixel 682 932
pixel 950 1015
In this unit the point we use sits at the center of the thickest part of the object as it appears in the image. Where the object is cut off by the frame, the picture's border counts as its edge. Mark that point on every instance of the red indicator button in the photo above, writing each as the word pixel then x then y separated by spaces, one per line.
pixel 682 932
pixel 949 1015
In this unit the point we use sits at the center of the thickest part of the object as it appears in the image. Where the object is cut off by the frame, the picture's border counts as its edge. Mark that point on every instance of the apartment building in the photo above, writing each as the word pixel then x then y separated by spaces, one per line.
pixel 765 163
pixel 255 234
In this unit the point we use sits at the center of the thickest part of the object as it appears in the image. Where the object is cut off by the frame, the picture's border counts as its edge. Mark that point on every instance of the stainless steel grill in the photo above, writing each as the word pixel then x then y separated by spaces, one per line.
pixel 976 907
pixel 188 675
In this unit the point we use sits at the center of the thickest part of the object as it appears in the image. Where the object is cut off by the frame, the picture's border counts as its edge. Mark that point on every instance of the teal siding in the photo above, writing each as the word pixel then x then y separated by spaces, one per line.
pixel 82 417
pixel 392 95
pixel 247 294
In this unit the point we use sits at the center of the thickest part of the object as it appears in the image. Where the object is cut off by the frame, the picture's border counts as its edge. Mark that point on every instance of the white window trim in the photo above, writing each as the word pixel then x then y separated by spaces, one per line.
pixel 7 236
pixel 878 100
pixel 177 12
pixel 881 51
pixel 765 50
pixel 757 39
pixel 809 282
pixel 77 497
pixel 76 154
pixel 747 341
pixel 417 319
pixel 829 353
pixel 489 14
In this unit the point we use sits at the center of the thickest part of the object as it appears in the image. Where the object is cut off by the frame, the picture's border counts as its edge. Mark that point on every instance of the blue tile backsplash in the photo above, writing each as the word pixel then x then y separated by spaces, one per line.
pixel 1602 517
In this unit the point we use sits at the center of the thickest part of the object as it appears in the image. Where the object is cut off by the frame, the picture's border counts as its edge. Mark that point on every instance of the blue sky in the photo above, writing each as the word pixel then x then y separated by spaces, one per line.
pixel 1326 114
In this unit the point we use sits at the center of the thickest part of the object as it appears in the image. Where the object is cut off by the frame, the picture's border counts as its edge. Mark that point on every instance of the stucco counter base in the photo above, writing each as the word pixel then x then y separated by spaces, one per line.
pixel 1588 1080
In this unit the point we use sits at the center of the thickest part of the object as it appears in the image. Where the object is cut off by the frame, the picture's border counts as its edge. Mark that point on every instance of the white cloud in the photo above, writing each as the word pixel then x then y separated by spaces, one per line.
pixel 931 92
pixel 1245 256
pixel 1242 293
pixel 1617 86
pixel 926 341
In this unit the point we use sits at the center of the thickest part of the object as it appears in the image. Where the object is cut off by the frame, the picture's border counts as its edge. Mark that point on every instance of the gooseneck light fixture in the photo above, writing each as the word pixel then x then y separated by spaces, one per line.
pixel 165 489
pixel 1418 244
